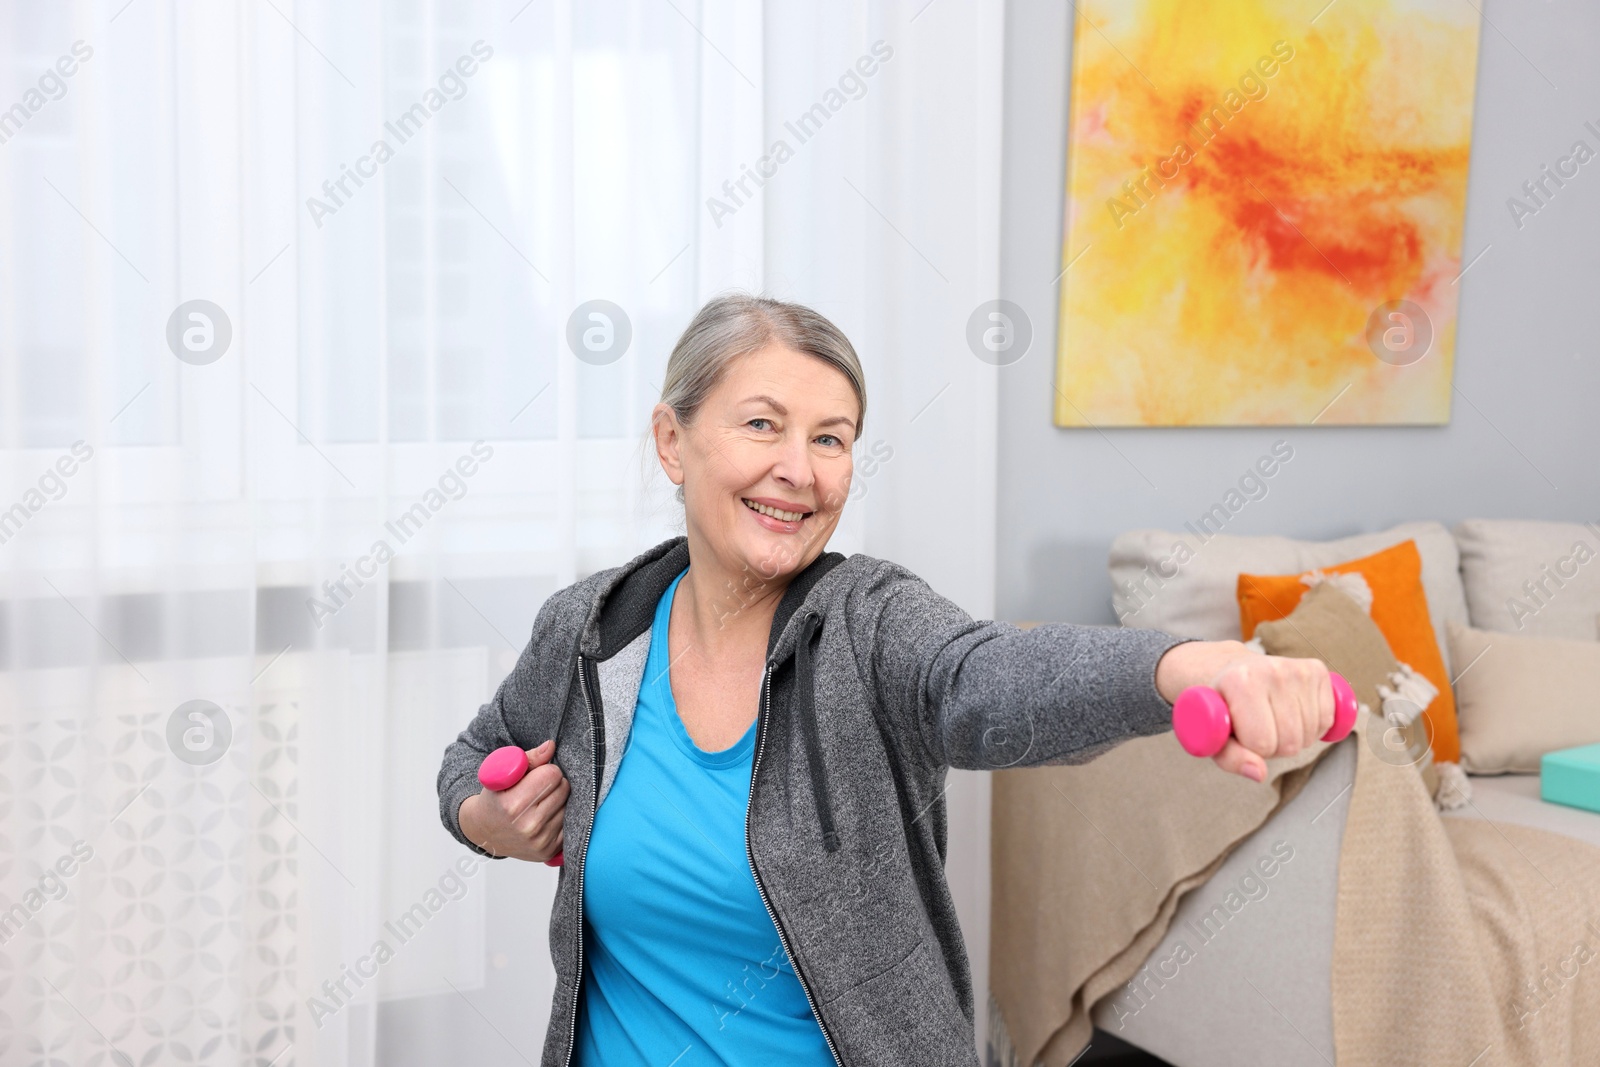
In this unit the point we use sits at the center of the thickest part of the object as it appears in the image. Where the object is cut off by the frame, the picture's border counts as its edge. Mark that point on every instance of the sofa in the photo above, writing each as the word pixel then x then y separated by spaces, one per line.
pixel 1522 589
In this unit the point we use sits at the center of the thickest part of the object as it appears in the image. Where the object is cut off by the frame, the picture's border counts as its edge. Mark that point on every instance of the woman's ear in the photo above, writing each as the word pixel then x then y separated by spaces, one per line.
pixel 669 441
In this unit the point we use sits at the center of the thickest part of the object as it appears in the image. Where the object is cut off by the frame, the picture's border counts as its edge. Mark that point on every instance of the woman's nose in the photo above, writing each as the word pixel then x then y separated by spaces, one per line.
pixel 793 467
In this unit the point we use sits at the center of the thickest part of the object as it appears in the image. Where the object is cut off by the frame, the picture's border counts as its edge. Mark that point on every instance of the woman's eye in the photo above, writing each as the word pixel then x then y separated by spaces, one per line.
pixel 828 440
pixel 760 424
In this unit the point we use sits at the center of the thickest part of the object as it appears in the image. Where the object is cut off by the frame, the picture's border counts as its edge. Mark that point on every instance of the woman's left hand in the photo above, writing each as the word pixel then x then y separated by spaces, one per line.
pixel 1278 704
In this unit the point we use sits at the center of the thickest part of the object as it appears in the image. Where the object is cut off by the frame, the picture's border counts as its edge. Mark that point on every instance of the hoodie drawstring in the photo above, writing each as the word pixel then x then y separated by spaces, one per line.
pixel 805 713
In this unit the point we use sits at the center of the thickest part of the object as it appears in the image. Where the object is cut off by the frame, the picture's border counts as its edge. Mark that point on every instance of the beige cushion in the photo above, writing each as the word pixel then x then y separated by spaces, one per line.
pixel 1519 697
pixel 1150 588
pixel 1541 579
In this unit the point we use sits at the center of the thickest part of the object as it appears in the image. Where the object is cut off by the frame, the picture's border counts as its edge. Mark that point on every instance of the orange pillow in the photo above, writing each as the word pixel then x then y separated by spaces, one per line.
pixel 1399 607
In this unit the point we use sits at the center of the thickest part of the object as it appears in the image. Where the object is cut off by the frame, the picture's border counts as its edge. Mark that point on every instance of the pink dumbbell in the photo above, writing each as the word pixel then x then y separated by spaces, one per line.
pixel 504 768
pixel 1200 717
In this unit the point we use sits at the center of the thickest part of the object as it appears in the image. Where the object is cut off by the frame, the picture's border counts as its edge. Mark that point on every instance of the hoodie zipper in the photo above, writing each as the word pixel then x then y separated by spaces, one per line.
pixel 595 741
pixel 763 713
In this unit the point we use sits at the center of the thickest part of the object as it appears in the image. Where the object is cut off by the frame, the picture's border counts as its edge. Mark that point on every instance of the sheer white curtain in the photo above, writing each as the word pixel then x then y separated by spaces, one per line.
pixel 293 442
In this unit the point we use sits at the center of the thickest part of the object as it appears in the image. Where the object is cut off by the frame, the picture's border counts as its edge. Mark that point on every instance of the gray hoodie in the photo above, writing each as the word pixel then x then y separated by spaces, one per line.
pixel 875 685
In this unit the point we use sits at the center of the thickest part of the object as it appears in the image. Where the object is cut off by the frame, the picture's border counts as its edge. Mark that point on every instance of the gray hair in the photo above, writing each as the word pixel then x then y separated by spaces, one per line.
pixel 735 324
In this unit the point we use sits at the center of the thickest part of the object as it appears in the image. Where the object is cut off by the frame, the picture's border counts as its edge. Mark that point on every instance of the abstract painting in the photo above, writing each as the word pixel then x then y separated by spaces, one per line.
pixel 1264 211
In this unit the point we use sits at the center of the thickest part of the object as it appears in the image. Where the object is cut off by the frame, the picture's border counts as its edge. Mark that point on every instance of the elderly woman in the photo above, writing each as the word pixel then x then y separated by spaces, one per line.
pixel 740 740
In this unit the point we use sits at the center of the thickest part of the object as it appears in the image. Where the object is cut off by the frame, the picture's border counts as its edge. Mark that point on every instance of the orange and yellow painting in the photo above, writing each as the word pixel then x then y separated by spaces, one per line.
pixel 1264 211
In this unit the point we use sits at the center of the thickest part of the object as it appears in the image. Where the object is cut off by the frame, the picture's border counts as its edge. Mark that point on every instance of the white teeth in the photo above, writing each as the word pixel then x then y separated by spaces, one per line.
pixel 784 516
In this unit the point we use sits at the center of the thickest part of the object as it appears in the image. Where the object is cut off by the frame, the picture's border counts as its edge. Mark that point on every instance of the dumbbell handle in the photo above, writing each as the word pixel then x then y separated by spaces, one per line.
pixel 1200 717
pixel 504 768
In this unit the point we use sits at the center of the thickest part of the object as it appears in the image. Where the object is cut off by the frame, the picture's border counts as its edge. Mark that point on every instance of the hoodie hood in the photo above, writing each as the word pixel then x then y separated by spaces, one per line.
pixel 626 603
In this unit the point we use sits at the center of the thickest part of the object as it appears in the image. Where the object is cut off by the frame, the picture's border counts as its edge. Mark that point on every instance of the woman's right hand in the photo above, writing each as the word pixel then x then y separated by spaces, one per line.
pixel 523 822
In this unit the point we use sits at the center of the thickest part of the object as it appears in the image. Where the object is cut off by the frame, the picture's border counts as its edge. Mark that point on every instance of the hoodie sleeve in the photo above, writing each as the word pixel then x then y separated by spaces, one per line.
pixel 988 695
pixel 527 702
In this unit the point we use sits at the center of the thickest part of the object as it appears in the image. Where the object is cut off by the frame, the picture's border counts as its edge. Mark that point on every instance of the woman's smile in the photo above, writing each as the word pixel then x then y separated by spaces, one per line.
pixel 778 516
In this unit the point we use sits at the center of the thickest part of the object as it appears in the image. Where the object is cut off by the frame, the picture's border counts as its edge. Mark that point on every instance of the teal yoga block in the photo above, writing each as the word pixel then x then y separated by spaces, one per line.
pixel 1572 777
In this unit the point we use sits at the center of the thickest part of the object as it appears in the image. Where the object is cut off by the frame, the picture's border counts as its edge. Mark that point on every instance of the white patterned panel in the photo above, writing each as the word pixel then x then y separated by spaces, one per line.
pixel 176 937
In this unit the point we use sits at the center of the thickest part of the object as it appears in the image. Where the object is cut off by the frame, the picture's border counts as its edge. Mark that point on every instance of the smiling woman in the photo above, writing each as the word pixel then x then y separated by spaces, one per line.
pixel 787 461
pixel 752 736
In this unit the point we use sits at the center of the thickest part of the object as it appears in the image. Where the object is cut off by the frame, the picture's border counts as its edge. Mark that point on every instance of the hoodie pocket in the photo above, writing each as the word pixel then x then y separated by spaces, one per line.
pixel 905 1014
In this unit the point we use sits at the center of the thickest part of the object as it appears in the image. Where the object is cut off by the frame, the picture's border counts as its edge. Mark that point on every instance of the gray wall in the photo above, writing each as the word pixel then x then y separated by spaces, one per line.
pixel 1525 446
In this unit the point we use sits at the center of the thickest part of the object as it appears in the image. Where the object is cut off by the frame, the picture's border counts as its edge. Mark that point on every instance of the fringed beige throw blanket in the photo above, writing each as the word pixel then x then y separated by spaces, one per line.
pixel 1461 941
pixel 1457 942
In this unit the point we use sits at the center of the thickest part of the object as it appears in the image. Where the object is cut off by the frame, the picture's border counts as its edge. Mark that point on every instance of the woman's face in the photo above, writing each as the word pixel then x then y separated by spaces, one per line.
pixel 765 468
